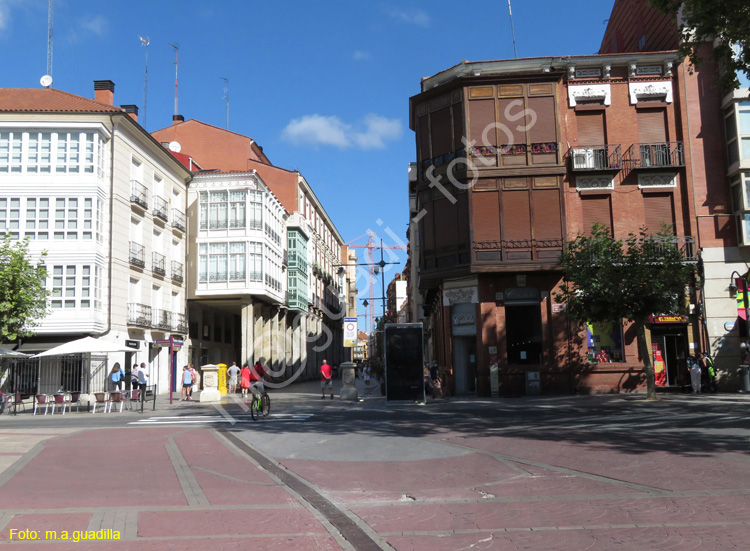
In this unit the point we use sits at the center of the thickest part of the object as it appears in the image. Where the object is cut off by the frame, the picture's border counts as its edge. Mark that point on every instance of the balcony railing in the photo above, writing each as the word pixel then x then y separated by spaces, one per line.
pixel 683 243
pixel 139 314
pixel 596 157
pixel 655 155
pixel 177 272
pixel 137 254
pixel 178 219
pixel 161 208
pixel 520 250
pixel 159 264
pixel 138 194
pixel 162 320
pixel 180 323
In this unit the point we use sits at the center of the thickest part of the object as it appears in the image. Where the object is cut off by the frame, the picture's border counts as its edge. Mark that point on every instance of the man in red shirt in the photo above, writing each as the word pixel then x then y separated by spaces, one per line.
pixel 326 381
pixel 257 374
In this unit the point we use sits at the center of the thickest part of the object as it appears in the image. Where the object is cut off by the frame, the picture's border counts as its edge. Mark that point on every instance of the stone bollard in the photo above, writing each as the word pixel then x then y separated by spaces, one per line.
pixel 348 391
pixel 210 392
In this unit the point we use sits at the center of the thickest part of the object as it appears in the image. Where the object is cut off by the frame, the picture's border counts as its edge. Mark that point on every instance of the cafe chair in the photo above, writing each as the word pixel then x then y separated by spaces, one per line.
pixel 41 400
pixel 115 398
pixel 59 400
pixel 100 398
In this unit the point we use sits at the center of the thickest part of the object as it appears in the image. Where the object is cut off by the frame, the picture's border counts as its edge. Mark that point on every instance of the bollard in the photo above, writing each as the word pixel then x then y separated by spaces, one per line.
pixel 745 374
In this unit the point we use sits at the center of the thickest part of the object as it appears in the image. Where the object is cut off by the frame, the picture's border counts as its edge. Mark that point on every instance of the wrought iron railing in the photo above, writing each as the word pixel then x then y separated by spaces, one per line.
pixel 137 254
pixel 161 208
pixel 162 319
pixel 596 157
pixel 138 194
pixel 180 322
pixel 139 314
pixel 159 264
pixel 518 250
pixel 178 219
pixel 655 155
pixel 177 272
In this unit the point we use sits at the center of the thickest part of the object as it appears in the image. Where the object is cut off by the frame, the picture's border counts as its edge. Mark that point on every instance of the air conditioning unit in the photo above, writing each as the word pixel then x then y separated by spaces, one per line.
pixel 583 158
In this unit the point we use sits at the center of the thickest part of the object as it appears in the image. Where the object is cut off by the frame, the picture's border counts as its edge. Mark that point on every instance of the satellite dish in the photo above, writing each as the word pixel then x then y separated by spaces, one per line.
pixel 46 81
pixel 175 146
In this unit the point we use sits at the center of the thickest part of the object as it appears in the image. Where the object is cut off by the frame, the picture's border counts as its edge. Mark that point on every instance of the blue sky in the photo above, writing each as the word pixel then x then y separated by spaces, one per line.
pixel 322 86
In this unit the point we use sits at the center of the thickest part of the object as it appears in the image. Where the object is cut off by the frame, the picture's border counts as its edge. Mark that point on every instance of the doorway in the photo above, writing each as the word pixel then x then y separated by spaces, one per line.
pixel 672 344
pixel 465 364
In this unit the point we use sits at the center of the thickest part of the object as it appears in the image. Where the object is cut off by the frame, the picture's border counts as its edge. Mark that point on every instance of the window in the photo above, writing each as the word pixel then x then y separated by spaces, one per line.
pixel 222 261
pixel 40 152
pixel 73 218
pixel 71 287
pixel 605 342
pixel 740 191
pixel 237 261
pixel 44 152
pixel 730 124
pixel 744 116
pixel 237 208
pixel 255 261
pixel 10 215
pixel 68 152
pixel 37 218
pixel 10 151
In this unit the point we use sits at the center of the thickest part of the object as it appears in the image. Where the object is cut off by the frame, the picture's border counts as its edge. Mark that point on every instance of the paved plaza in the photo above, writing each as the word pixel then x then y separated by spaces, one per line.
pixel 575 472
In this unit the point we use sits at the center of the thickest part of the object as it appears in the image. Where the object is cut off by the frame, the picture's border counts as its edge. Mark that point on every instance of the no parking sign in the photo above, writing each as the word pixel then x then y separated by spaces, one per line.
pixel 350 332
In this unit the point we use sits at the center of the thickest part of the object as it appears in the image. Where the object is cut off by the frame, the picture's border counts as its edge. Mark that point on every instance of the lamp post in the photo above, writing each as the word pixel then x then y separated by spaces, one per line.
pixel 745 348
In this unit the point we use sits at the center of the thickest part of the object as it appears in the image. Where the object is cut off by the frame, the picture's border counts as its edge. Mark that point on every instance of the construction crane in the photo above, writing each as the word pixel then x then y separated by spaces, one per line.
pixel 373 269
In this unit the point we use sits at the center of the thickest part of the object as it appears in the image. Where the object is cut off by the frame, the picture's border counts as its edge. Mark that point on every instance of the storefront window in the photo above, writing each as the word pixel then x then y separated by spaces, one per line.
pixel 604 340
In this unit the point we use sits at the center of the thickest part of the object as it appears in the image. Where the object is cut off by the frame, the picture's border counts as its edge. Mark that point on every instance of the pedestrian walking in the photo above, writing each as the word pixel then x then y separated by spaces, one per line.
pixel 366 375
pixel 233 372
pixel 116 377
pixel 708 371
pixel 695 376
pixel 326 380
pixel 245 380
pixel 142 379
pixel 195 380
pixel 187 382
pixel 134 377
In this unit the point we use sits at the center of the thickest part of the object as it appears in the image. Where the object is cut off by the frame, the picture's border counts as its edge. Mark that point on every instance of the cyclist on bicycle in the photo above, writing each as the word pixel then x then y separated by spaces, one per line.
pixel 257 375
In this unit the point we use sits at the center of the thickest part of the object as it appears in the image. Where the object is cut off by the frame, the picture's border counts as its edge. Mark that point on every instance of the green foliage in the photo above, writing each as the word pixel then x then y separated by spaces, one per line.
pixel 608 279
pixel 23 294
pixel 706 20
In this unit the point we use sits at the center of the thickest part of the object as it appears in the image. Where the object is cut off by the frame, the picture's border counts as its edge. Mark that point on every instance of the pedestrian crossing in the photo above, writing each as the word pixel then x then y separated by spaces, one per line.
pixel 220 419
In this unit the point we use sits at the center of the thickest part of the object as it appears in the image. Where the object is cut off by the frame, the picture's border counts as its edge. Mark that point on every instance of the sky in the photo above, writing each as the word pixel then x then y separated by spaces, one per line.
pixel 323 86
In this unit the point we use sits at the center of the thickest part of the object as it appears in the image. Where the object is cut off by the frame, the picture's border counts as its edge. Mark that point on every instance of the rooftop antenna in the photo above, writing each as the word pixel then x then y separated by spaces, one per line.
pixel 145 42
pixel 226 96
pixel 176 67
pixel 512 30
pixel 50 14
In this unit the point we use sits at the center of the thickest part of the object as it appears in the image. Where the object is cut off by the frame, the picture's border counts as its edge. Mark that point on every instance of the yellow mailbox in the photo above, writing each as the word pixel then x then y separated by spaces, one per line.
pixel 222 379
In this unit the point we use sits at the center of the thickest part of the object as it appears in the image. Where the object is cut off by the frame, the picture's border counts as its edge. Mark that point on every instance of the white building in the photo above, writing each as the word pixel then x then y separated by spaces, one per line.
pixel 87 184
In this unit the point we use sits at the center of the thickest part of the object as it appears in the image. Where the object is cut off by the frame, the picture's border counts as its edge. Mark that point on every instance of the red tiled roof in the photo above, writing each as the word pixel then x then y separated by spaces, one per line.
pixel 49 100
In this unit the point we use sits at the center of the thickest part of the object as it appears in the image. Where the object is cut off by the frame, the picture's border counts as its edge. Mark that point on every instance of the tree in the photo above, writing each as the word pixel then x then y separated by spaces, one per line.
pixel 608 279
pixel 703 21
pixel 23 294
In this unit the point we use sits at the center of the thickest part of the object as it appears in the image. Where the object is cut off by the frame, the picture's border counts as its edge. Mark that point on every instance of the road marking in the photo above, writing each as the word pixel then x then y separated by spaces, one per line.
pixel 197 419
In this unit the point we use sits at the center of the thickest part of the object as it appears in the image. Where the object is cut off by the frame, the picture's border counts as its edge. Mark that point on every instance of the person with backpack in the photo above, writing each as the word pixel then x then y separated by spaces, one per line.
pixel 707 365
pixel 187 383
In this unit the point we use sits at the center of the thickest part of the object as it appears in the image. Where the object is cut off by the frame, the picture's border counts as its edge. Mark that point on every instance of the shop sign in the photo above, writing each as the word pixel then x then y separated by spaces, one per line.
pixel 667 319
pixel 133 344
pixel 463 320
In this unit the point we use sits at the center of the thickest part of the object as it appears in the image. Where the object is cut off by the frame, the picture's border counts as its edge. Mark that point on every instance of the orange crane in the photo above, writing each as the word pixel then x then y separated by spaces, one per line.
pixel 373 269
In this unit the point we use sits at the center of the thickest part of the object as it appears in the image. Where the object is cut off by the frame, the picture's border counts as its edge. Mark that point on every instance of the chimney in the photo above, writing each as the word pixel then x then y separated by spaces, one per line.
pixel 104 91
pixel 131 110
pixel 177 119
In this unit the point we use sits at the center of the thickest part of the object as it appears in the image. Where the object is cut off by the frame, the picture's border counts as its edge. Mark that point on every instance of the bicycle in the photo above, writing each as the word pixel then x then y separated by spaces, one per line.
pixel 260 406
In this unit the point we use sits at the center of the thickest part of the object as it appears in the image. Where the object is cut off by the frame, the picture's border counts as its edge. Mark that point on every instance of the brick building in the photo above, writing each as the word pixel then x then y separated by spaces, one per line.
pixel 513 158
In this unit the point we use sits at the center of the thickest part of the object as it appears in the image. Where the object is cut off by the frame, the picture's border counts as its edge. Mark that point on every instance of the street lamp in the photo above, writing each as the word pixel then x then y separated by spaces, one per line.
pixel 745 348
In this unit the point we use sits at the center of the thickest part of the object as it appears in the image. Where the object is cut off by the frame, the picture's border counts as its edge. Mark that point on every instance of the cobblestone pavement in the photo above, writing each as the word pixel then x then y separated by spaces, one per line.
pixel 565 473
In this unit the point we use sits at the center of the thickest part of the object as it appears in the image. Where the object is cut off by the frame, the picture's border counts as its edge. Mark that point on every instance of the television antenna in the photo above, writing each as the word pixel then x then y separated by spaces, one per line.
pixel 50 17
pixel 512 31
pixel 226 96
pixel 176 67
pixel 145 42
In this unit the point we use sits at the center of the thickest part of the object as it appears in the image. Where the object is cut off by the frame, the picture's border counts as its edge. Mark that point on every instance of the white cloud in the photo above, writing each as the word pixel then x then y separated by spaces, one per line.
pixel 361 55
pixel 96 25
pixel 410 16
pixel 313 130
pixel 6 7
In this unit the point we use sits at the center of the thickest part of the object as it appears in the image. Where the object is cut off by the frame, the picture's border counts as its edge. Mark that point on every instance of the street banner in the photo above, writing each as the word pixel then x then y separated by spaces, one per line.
pixel 350 332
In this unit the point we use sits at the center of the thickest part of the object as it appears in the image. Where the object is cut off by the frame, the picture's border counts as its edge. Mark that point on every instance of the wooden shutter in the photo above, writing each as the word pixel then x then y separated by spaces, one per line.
pixel 516 215
pixel 427 223
pixel 596 209
pixel 486 215
pixel 445 223
pixel 458 126
pixel 482 113
pixel 659 209
pixel 545 127
pixel 514 108
pixel 547 218
pixel 441 132
pixel 424 138
pixel 652 127
pixel 590 128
